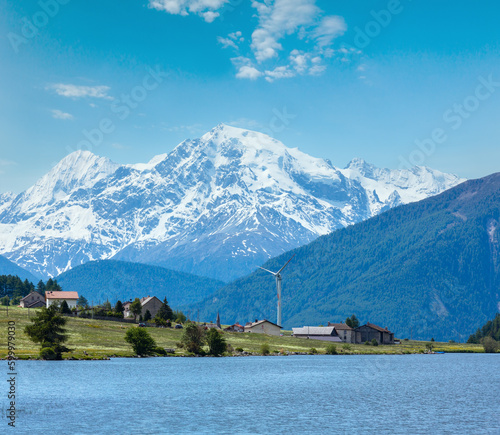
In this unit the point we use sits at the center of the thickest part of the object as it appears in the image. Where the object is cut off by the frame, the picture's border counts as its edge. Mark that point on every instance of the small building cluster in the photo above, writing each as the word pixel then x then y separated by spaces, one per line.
pixel 36 300
pixel 342 333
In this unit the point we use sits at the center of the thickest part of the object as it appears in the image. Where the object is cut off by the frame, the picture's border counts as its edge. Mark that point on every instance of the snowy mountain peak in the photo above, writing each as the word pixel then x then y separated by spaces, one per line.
pixel 215 206
pixel 79 169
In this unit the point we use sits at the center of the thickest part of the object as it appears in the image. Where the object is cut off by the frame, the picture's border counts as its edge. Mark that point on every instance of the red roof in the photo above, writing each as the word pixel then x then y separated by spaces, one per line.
pixel 61 295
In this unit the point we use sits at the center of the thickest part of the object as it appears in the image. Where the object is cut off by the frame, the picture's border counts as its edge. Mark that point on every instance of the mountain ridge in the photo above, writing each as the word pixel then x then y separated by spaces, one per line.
pixel 213 206
pixel 425 269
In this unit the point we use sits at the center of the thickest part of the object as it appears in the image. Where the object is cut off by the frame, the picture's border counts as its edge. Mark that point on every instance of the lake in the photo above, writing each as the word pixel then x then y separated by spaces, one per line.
pixel 417 394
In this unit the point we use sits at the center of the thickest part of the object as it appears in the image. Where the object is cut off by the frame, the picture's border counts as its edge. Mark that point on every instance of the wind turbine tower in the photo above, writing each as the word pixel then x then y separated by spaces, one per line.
pixel 278 285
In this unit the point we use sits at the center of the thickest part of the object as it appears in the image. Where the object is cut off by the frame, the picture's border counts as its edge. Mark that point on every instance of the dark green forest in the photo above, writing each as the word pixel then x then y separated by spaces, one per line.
pixel 427 269
pixel 113 280
pixel 490 329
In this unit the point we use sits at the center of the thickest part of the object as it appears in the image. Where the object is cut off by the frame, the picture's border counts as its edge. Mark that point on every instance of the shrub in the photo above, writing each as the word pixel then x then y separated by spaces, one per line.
pixel 216 342
pixel 160 351
pixel 432 339
pixel 331 349
pixel 142 343
pixel 451 341
pixel 374 342
pixel 313 351
pixel 47 353
pixel 239 349
pixel 193 338
pixel 346 346
pixel 264 349
pixel 367 343
pixel 490 345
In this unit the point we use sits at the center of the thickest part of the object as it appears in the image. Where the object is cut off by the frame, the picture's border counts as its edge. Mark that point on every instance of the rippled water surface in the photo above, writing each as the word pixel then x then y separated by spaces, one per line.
pixel 417 394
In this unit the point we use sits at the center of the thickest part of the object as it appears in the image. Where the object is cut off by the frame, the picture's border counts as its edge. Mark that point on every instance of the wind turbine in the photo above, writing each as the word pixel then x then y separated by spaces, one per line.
pixel 278 285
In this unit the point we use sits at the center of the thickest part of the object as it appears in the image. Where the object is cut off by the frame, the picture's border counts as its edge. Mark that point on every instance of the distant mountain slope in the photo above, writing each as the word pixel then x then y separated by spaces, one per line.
pixel 215 206
pixel 119 280
pixel 9 268
pixel 430 269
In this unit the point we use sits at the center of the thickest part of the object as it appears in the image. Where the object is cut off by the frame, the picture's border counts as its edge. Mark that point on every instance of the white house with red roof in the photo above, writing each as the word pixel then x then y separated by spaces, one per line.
pixel 71 298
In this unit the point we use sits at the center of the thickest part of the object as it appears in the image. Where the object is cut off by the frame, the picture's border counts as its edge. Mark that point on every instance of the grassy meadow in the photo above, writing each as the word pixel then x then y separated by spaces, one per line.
pixel 103 339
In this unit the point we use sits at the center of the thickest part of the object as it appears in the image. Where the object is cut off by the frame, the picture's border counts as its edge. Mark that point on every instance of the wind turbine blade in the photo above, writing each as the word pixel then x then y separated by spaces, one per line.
pixel 267 270
pixel 286 264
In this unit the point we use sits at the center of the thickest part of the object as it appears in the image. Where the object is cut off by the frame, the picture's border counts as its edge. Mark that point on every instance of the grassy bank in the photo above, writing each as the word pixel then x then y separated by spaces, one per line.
pixel 101 339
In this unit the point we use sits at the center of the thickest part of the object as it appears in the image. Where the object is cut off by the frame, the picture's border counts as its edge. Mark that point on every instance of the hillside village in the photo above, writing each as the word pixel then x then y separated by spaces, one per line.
pixel 151 305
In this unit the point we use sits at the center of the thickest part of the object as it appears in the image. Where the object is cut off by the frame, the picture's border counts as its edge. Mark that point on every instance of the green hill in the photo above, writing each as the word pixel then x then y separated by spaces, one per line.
pixel 7 267
pixel 113 280
pixel 427 269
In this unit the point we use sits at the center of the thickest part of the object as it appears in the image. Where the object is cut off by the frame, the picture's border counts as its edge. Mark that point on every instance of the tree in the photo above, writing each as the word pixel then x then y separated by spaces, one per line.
pixel 165 312
pixel 352 321
pixel 65 308
pixel 179 317
pixel 5 300
pixel 47 328
pixel 119 307
pixel 193 338
pixel 490 345
pixel 15 300
pixel 40 287
pixel 107 306
pixel 147 315
pixel 53 286
pixel 142 343
pixel 82 302
pixel 136 308
pixel 216 342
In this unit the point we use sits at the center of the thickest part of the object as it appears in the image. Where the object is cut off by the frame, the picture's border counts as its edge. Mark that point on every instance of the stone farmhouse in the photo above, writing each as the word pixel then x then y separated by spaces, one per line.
pixel 263 327
pixel 340 332
pixel 370 331
pixel 151 303
pixel 323 333
pixel 33 300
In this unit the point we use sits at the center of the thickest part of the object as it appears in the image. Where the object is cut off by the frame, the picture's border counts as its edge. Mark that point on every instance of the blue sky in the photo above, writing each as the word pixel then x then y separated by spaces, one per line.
pixel 396 82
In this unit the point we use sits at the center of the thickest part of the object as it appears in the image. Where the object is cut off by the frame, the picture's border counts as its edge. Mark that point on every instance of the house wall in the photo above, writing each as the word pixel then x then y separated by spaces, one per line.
pixel 264 328
pixel 332 338
pixel 31 299
pixel 365 333
pixel 153 306
pixel 347 336
pixel 71 302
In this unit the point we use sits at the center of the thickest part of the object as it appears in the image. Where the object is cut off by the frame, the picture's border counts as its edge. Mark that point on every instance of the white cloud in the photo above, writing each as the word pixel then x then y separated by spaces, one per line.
pixel 58 114
pixel 278 19
pixel 300 22
pixel 226 42
pixel 75 91
pixel 248 72
pixel 232 40
pixel 204 8
pixel 281 72
pixel 330 28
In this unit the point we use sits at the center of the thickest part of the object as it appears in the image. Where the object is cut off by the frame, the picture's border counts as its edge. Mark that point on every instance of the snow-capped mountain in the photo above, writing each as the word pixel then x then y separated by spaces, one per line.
pixel 216 206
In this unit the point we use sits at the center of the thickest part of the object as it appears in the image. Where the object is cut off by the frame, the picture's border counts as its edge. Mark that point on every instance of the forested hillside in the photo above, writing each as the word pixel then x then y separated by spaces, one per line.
pixel 428 269
pixel 120 280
